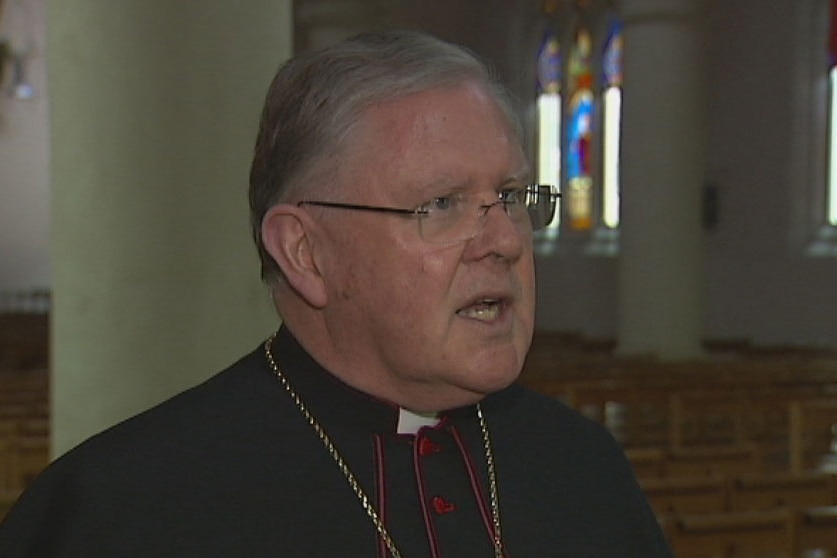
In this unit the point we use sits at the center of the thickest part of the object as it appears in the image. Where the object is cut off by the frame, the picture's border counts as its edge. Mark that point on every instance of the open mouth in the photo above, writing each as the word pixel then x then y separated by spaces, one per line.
pixel 485 310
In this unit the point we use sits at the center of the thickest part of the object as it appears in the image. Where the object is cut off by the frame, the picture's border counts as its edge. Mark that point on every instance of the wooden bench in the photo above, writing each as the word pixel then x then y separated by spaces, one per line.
pixel 636 416
pixel 813 432
pixel 21 460
pixel 647 462
pixel 796 490
pixel 680 495
pixel 708 417
pixel 7 500
pixel 759 534
pixel 24 340
pixel 817 530
pixel 727 461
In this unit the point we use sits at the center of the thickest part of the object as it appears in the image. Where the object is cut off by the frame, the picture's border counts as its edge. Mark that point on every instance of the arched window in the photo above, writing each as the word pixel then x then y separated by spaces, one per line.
pixel 818 104
pixel 579 69
pixel 611 122
pixel 579 191
pixel 549 117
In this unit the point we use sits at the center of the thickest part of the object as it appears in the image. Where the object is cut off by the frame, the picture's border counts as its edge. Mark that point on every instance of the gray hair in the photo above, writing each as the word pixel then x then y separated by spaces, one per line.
pixel 316 97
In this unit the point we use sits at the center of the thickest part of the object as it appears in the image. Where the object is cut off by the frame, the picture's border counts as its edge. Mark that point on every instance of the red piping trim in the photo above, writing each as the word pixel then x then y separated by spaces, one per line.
pixel 432 536
pixel 476 485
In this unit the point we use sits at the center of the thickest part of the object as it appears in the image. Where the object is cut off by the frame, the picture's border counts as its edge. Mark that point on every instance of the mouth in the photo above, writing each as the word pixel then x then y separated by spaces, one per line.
pixel 484 309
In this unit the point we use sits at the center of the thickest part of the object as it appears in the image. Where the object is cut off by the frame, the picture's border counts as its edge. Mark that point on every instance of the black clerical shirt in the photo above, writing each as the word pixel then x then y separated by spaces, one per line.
pixel 230 468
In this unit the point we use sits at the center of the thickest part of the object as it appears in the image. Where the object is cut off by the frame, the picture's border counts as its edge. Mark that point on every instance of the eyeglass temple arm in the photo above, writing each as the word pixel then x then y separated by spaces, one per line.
pixel 357 207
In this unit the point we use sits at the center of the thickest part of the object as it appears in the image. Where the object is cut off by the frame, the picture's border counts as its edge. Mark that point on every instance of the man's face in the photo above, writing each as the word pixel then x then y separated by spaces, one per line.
pixel 426 325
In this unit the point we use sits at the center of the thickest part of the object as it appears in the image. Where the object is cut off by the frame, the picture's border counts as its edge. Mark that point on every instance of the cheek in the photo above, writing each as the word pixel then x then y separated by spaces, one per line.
pixel 392 276
pixel 417 290
pixel 526 275
pixel 412 285
pixel 437 274
pixel 349 282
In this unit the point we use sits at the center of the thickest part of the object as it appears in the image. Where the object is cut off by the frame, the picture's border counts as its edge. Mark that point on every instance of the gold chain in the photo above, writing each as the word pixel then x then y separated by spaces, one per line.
pixel 492 485
pixel 355 485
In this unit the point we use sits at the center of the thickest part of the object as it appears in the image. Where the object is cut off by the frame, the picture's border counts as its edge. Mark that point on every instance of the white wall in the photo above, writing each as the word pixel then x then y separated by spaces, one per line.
pixel 24 156
pixel 762 283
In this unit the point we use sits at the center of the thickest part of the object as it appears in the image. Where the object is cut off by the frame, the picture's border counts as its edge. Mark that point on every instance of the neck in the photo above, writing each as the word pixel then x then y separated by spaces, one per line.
pixel 345 359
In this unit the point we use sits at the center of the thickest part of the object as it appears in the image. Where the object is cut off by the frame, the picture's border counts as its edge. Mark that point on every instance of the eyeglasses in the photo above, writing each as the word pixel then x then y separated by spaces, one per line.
pixel 457 217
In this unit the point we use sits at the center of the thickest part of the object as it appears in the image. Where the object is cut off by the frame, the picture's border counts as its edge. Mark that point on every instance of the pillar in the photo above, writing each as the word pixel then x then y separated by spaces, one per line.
pixel 660 270
pixel 155 106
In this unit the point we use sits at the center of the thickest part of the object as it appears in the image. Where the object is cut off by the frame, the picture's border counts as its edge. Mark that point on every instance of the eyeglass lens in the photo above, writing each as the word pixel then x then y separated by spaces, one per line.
pixel 541 205
pixel 534 211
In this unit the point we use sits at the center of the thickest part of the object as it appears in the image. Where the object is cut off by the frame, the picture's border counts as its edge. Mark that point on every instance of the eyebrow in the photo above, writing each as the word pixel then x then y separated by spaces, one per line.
pixel 524 173
pixel 444 185
pixel 450 185
pixel 522 176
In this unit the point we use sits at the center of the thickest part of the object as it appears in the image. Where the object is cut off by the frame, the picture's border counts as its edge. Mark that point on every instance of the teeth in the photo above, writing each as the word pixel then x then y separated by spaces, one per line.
pixel 486 310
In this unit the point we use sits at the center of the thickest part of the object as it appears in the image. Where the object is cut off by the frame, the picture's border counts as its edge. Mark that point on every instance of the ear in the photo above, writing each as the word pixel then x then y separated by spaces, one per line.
pixel 288 236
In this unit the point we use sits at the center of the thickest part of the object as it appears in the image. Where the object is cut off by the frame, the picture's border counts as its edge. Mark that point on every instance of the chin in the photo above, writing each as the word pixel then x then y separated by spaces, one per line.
pixel 495 377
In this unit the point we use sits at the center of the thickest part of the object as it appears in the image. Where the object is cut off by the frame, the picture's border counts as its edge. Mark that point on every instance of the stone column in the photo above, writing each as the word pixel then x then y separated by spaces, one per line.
pixel 661 275
pixel 320 23
pixel 155 106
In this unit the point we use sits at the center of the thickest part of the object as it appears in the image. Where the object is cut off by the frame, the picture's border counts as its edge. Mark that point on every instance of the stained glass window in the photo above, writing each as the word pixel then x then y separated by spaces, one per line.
pixel 549 115
pixel 611 123
pixel 579 192
pixel 579 98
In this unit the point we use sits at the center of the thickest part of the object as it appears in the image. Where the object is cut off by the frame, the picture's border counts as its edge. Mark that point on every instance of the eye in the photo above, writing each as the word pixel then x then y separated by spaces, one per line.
pixel 513 196
pixel 442 204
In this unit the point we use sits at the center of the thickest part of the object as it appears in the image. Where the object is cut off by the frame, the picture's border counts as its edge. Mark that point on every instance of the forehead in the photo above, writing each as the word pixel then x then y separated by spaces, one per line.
pixel 454 135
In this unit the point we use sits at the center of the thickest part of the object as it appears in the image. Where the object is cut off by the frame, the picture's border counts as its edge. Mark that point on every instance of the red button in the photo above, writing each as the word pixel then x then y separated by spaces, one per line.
pixel 442 506
pixel 426 447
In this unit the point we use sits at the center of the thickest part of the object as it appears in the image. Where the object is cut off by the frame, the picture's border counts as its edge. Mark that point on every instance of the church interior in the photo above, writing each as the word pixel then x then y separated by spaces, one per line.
pixel 686 295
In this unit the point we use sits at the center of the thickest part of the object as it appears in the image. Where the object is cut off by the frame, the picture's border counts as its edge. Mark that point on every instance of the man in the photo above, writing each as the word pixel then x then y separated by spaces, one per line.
pixel 391 211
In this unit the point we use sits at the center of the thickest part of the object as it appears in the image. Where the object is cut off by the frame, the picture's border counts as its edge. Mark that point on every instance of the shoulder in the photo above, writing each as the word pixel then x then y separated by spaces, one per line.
pixel 542 428
pixel 525 410
pixel 143 466
pixel 559 468
pixel 183 429
pixel 190 412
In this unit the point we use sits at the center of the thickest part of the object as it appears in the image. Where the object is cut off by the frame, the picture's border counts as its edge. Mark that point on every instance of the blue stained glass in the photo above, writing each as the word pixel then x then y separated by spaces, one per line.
pixel 549 64
pixel 580 132
pixel 612 57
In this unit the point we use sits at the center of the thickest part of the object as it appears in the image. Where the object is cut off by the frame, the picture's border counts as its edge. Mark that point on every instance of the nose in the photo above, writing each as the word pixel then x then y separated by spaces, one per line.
pixel 497 235
pixel 485 208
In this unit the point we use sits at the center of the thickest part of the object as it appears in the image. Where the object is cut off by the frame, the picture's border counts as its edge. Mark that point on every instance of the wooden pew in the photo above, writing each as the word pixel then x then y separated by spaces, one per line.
pixel 817 530
pixel 813 432
pixel 759 534
pixel 7 500
pixel 684 495
pixel 24 427
pixel 636 416
pixel 725 461
pixel 22 458
pixel 796 490
pixel 708 417
pixel 647 462
pixel 7 466
pixel 24 340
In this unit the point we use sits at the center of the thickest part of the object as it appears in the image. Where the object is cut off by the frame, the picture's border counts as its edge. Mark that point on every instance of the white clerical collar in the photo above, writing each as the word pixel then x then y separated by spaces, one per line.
pixel 410 422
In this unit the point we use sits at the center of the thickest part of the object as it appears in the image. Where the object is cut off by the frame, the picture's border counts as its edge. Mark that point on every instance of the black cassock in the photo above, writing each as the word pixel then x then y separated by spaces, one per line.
pixel 231 468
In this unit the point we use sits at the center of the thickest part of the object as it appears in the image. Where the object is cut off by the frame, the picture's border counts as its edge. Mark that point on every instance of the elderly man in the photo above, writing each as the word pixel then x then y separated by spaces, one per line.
pixel 393 214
